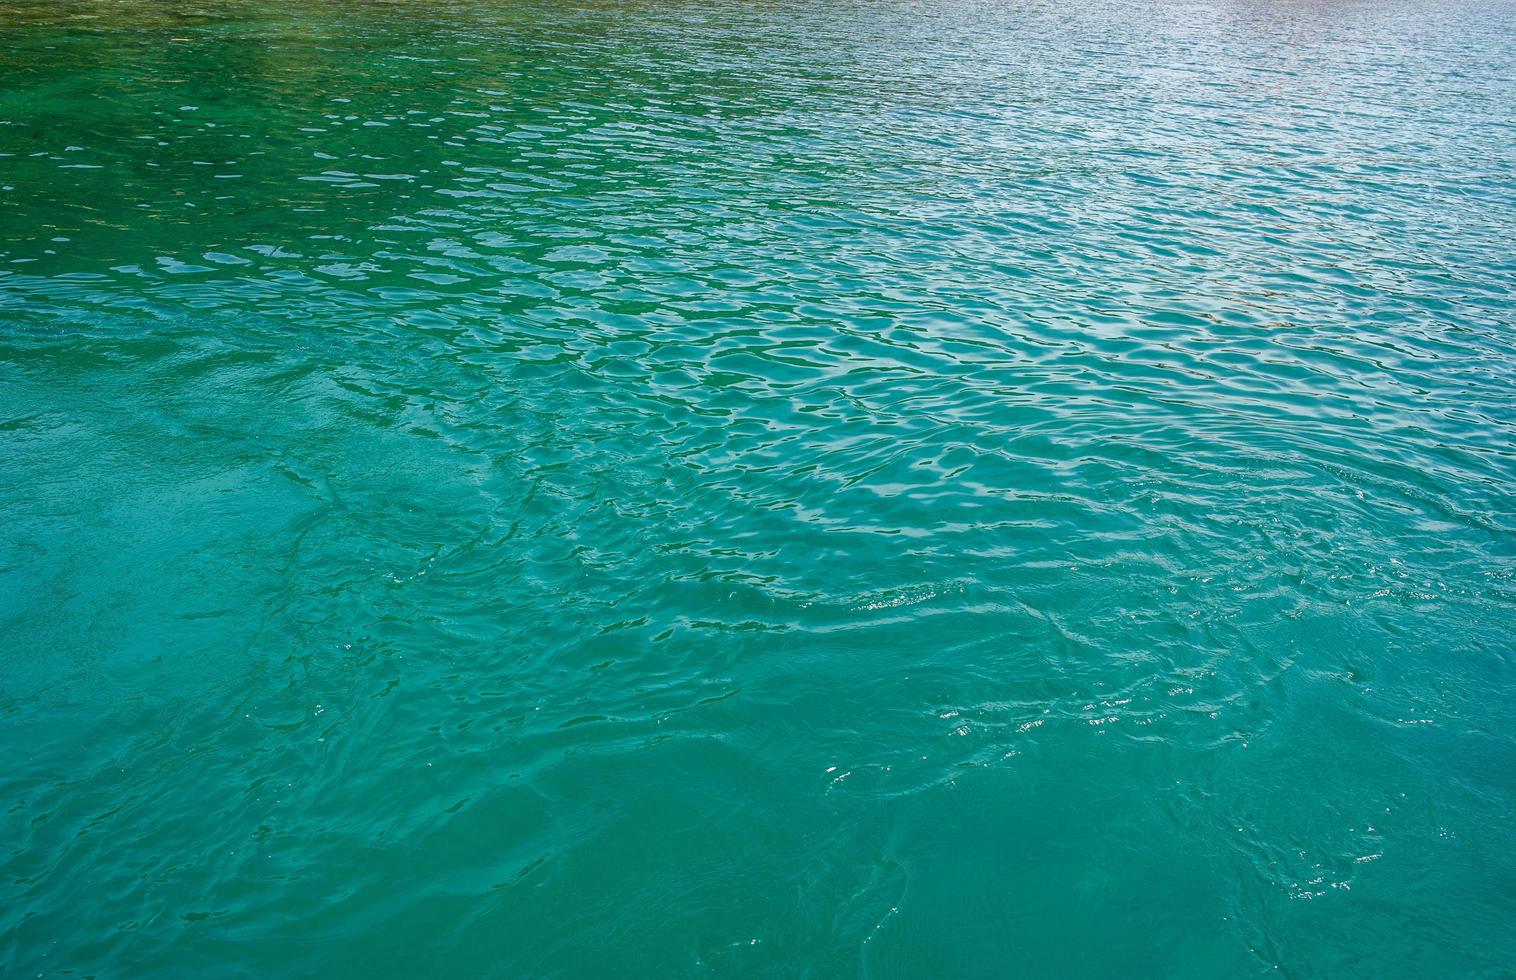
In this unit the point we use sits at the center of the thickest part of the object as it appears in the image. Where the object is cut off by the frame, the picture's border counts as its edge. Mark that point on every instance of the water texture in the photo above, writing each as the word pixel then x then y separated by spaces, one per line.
pixel 690 488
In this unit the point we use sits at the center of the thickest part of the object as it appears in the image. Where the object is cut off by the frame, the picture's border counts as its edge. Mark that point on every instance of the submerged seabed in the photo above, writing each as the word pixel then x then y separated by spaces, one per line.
pixel 674 489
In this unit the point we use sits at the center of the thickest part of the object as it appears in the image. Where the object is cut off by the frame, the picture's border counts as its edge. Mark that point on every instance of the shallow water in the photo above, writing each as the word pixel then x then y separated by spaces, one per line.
pixel 676 489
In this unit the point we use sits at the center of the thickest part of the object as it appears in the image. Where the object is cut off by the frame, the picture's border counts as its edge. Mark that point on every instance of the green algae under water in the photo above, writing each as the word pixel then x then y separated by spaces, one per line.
pixel 949 489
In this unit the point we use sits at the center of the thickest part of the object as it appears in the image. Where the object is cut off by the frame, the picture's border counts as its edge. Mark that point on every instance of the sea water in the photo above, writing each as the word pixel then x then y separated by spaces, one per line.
pixel 687 488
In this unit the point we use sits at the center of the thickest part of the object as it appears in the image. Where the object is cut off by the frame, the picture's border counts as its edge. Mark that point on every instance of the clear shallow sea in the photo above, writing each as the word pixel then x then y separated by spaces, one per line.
pixel 943 489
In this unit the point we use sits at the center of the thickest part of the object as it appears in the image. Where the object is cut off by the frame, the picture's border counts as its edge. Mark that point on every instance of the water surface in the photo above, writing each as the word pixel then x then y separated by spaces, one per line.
pixel 894 489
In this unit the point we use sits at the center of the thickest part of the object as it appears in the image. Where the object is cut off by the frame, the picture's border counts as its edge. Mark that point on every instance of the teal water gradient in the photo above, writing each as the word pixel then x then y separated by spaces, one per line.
pixel 894 489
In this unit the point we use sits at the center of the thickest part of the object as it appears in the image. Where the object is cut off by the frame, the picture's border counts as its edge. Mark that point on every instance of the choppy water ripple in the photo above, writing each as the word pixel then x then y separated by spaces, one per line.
pixel 672 489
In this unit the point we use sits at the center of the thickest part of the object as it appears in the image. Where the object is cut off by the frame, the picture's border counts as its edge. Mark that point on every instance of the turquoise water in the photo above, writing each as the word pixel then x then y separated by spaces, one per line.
pixel 946 489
